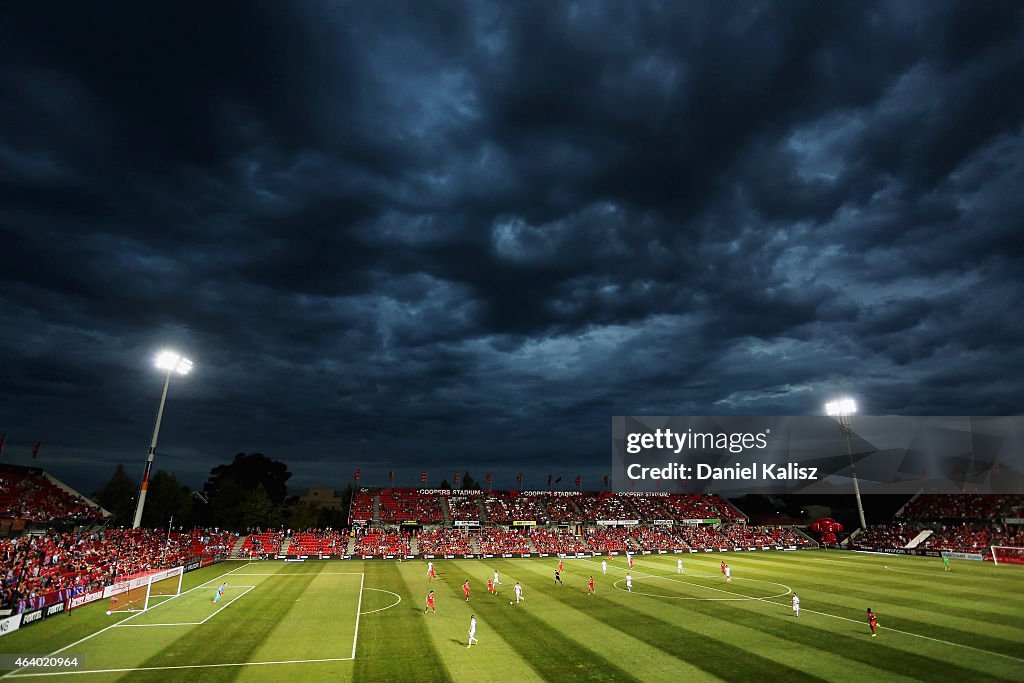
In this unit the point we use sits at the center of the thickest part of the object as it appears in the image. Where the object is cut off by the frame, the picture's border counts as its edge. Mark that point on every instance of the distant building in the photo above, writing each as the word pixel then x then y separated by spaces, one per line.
pixel 322 498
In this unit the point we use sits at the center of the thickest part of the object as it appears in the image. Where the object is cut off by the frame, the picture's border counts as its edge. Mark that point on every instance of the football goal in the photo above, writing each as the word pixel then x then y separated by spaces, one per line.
pixel 135 593
pixel 1007 554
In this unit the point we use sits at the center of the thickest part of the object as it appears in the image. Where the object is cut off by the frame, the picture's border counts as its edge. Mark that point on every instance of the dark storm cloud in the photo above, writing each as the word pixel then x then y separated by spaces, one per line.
pixel 464 235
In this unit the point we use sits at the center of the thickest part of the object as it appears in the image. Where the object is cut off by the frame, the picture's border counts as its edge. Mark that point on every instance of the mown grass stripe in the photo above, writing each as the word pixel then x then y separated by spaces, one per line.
pixel 394 644
pixel 542 647
pixel 936 603
pixel 947 662
pixel 693 646
pixel 233 639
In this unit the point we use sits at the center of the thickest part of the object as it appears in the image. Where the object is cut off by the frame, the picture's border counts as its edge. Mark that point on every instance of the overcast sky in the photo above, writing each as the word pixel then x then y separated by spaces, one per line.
pixel 440 235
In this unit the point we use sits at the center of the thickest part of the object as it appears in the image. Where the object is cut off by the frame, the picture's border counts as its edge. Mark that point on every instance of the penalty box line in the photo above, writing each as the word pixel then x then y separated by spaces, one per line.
pixel 192 623
pixel 856 621
pixel 15 674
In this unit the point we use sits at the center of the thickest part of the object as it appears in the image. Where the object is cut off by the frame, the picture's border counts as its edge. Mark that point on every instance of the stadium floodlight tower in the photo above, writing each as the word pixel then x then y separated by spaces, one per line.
pixel 842 409
pixel 172 363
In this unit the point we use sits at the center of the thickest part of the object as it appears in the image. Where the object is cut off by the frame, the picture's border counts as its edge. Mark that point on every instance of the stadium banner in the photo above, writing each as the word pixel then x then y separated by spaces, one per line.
pixel 963 556
pixel 525 555
pixel 193 565
pixel 553 494
pixel 450 492
pixel 10 624
pixel 524 522
pixel 1013 520
pixel 737 455
pixel 53 609
pixel 31 617
pixel 663 522
pixel 467 522
pixel 85 599
pixel 488 555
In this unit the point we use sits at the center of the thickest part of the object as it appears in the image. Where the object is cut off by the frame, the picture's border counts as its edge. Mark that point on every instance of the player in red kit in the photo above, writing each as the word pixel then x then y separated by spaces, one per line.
pixel 430 603
pixel 559 566
pixel 590 586
pixel 872 622
pixel 723 566
pixel 465 589
pixel 630 558
pixel 490 587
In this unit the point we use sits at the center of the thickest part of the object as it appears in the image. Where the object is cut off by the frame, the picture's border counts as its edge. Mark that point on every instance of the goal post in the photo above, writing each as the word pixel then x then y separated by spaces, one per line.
pixel 135 593
pixel 1007 554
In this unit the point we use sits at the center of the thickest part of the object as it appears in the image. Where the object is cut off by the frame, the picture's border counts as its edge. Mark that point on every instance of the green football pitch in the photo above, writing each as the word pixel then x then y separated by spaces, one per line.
pixel 364 621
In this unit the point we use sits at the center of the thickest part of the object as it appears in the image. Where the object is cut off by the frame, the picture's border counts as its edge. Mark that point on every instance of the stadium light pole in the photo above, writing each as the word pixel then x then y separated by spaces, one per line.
pixel 842 409
pixel 173 363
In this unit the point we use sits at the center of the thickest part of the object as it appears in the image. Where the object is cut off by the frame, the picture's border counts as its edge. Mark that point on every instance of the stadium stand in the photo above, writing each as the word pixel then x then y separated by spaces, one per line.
pixel 443 541
pixel 39 567
pixel 399 505
pixel 26 493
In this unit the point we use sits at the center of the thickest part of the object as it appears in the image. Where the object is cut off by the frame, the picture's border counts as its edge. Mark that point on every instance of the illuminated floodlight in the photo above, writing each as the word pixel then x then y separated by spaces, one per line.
pixel 171 361
pixel 842 406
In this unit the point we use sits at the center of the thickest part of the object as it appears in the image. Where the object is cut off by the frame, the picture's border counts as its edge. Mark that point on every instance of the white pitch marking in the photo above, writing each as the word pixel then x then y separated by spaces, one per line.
pixel 381 609
pixel 181 666
pixel 14 674
pixel 894 630
pixel 359 607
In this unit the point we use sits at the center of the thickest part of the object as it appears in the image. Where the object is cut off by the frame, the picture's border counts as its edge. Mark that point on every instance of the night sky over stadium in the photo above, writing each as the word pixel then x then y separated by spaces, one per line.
pixel 441 235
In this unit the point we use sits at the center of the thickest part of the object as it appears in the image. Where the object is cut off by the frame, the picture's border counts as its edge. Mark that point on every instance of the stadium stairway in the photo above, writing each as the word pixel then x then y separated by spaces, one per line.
pixel 800 532
pixel 445 514
pixel 920 538
pixel 483 512
pixel 236 551
pixel 375 515
pixel 283 550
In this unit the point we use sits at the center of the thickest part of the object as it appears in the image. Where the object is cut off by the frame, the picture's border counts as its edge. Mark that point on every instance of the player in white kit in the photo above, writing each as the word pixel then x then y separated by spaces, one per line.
pixel 796 605
pixel 472 631
pixel 679 566
pixel 629 582
pixel 604 566
pixel 519 593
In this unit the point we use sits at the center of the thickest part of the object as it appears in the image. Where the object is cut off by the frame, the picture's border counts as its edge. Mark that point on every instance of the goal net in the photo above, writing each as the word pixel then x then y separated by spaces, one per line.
pixel 1005 554
pixel 136 592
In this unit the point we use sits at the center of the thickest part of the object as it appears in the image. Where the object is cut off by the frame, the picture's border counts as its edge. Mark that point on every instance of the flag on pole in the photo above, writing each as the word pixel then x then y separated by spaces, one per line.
pixel 489 480
pixel 549 481
pixel 391 475
pixel 35 450
pixel 423 477
pixel 578 481
pixel 357 475
pixel 3 440
pixel 456 479
pixel 606 481
pixel 519 480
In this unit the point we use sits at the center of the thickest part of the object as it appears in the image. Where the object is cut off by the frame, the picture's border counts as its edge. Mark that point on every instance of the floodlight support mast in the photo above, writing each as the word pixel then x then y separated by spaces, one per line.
pixel 171 362
pixel 842 409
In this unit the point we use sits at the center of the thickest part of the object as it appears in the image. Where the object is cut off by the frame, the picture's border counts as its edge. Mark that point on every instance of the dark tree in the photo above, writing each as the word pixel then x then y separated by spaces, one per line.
pixel 167 498
pixel 469 482
pixel 249 472
pixel 118 496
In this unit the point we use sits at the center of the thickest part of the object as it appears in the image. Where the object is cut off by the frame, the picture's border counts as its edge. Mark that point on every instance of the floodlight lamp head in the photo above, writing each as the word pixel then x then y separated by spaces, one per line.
pixel 173 362
pixel 841 407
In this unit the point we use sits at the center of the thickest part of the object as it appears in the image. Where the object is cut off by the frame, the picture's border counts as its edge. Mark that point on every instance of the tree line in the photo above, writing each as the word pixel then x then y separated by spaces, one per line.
pixel 250 491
